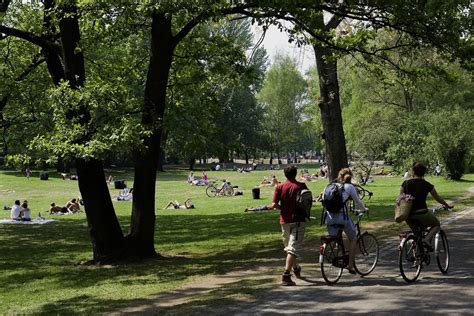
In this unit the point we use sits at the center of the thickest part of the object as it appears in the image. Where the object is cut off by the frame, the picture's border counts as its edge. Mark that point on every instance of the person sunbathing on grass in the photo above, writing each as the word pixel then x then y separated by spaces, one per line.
pixel 125 195
pixel 258 209
pixel 188 204
pixel 54 209
pixel 73 206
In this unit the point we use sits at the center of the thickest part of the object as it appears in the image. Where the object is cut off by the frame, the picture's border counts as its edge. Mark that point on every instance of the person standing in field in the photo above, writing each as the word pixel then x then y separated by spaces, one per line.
pixel 292 227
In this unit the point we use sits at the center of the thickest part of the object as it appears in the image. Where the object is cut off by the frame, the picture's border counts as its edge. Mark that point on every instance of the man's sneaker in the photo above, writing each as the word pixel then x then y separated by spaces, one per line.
pixel 297 271
pixel 287 281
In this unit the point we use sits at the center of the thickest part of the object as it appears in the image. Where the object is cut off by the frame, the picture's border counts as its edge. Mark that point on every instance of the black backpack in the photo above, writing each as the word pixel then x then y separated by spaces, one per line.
pixel 304 202
pixel 332 197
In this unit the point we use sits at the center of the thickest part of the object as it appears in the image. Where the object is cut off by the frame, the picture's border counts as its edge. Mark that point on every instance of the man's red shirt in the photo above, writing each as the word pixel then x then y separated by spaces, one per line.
pixel 285 195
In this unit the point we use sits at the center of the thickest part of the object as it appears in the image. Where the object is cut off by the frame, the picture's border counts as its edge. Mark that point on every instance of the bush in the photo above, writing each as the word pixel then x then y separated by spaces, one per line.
pixel 452 139
pixel 410 145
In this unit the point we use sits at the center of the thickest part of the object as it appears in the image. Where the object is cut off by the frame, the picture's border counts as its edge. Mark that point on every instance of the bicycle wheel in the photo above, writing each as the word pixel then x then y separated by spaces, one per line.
pixel 367 254
pixel 332 261
pixel 360 192
pixel 229 191
pixel 211 191
pixel 442 251
pixel 409 262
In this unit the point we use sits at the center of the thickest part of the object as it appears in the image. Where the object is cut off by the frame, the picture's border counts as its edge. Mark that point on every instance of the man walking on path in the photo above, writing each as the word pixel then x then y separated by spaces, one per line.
pixel 292 225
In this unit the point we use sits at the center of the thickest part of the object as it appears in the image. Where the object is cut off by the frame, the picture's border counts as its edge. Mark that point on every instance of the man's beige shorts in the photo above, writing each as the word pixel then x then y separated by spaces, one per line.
pixel 293 234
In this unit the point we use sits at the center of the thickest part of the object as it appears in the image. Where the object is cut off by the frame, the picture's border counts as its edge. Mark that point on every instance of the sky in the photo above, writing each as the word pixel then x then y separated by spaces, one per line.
pixel 277 42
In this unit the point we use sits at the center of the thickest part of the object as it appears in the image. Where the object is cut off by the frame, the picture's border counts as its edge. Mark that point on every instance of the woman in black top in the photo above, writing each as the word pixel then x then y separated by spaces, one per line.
pixel 419 188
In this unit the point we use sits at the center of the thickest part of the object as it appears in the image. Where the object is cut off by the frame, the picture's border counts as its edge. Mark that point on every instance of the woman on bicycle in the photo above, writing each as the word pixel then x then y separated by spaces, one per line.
pixel 342 218
pixel 419 188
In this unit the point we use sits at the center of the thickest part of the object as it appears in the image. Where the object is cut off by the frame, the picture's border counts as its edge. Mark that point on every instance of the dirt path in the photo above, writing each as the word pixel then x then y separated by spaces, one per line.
pixel 256 292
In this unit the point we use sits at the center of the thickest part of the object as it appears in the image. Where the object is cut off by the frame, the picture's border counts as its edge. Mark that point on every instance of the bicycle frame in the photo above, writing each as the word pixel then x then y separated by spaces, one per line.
pixel 413 254
pixel 225 189
pixel 334 257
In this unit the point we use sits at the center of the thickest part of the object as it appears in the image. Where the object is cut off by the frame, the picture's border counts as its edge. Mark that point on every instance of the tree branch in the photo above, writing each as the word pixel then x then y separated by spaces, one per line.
pixel 37 60
pixel 30 37
pixel 188 28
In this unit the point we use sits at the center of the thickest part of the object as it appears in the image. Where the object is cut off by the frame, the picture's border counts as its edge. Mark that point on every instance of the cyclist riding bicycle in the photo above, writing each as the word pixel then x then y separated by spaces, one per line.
pixel 419 188
pixel 342 218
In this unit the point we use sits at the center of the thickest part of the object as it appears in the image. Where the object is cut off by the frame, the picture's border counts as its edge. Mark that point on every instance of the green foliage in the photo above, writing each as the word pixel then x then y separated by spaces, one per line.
pixel 435 140
pixel 284 99
pixel 410 145
pixel 398 107
pixel 453 139
pixel 18 162
pixel 213 86
pixel 107 131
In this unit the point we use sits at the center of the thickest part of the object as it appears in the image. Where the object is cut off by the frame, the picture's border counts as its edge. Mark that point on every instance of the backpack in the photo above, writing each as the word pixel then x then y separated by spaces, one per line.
pixel 304 202
pixel 332 197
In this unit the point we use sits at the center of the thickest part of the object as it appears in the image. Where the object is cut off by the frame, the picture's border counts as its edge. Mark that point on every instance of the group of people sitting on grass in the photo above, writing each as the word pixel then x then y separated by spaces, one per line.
pixel 202 181
pixel 306 176
pixel 125 195
pixel 71 207
pixel 273 181
pixel 243 169
pixel 20 211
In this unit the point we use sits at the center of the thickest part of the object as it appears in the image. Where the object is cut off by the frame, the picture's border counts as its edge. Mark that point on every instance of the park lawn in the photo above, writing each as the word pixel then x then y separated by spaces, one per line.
pixel 40 264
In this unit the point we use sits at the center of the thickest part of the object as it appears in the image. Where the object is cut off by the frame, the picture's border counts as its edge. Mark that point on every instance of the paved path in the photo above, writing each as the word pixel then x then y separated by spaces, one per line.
pixel 383 292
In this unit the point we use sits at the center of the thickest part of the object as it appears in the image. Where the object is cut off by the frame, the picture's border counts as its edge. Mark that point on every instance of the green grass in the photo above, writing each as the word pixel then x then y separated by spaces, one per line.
pixel 40 263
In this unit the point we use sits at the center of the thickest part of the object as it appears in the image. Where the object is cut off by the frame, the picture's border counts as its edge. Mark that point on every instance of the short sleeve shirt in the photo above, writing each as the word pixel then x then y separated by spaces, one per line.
pixel 285 195
pixel 419 189
pixel 15 211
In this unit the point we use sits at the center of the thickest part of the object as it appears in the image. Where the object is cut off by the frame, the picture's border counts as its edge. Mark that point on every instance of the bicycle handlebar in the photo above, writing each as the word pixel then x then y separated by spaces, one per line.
pixel 359 213
pixel 365 191
pixel 441 208
pixel 370 194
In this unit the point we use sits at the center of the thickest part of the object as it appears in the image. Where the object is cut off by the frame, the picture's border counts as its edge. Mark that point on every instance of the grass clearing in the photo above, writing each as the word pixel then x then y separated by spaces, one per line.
pixel 40 263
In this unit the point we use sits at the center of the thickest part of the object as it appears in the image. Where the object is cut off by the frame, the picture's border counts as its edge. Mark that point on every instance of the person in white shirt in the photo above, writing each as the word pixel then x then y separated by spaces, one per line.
pixel 342 218
pixel 16 210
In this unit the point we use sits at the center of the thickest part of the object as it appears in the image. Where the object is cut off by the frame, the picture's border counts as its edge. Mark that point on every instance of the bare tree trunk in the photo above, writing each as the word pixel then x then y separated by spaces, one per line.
pixel 330 108
pixel 105 231
pixel 142 229
pixel 104 228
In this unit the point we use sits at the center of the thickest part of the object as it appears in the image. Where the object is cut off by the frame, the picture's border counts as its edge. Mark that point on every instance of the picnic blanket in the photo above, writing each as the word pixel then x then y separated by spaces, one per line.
pixel 37 221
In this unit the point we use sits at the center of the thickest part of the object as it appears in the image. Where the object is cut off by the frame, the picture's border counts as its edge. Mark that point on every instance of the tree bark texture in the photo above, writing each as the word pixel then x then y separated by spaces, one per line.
pixel 106 234
pixel 331 114
pixel 104 228
pixel 142 229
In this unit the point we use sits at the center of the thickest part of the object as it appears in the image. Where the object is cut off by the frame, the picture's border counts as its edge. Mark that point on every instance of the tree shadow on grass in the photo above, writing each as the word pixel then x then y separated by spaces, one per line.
pixel 217 244
pixel 52 253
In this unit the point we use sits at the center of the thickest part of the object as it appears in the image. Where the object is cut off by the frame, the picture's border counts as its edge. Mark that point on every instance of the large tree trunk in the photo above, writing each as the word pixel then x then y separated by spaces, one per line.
pixel 192 162
pixel 330 107
pixel 142 228
pixel 106 234
pixel 161 155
